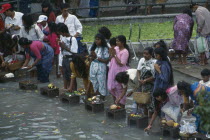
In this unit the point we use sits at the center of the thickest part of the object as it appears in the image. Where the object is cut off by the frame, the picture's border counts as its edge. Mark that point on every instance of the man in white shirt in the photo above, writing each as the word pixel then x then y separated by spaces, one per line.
pixel 13 20
pixel 68 46
pixel 71 21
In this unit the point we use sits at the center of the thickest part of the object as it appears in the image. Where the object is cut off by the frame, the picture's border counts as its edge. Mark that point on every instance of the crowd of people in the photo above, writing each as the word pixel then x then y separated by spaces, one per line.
pixel 104 67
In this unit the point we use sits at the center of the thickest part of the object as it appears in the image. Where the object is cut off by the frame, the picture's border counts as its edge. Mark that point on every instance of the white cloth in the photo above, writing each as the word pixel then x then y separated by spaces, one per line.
pixel 17 21
pixel 34 33
pixel 148 64
pixel 83 12
pixel 72 22
pixel 73 47
pixel 43 28
pixel 132 73
pixel 205 83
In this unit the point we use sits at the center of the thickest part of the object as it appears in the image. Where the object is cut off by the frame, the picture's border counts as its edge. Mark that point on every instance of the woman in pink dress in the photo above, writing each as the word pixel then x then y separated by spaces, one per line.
pixel 119 63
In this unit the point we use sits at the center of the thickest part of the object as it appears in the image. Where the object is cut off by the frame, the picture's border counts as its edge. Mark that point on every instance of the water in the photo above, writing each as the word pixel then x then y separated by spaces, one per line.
pixel 29 115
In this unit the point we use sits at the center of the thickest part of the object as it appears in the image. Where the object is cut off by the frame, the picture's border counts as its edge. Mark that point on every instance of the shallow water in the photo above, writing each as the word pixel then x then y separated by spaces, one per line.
pixel 29 115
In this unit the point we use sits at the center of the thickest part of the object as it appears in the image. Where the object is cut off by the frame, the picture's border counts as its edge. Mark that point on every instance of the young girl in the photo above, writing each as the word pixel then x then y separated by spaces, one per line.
pixel 53 43
pixel 163 70
pixel 80 69
pixel 119 63
pixel 100 57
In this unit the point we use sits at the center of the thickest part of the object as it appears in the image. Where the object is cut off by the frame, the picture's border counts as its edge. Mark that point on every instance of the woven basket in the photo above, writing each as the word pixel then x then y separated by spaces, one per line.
pixel 15 66
pixel 142 97
pixel 161 1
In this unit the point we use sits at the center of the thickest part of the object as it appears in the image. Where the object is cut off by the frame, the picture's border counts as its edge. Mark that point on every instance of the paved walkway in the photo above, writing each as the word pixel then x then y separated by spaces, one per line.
pixel 190 69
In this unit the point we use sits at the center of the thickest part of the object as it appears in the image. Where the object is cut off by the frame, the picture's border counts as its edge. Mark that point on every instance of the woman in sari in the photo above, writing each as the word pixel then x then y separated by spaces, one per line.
pixel 193 91
pixel 43 56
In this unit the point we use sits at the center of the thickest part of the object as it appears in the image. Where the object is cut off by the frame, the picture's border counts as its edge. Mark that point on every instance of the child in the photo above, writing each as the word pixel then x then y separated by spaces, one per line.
pixel 80 69
pixel 68 46
pixel 205 73
pixel 42 23
pixel 98 68
pixel 52 41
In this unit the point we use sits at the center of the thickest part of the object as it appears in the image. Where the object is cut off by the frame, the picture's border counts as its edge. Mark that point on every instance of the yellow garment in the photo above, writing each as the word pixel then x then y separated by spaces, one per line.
pixel 86 81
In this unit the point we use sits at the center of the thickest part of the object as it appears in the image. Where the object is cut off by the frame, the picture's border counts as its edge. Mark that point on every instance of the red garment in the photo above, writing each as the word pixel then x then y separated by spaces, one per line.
pixel 52 41
pixel 51 17
pixel 1 24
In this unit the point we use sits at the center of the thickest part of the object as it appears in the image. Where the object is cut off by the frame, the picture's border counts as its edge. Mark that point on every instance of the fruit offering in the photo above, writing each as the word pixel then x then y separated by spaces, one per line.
pixel 170 123
pixel 69 94
pixel 136 115
pixel 112 107
pixel 176 124
pixel 80 92
pixel 51 86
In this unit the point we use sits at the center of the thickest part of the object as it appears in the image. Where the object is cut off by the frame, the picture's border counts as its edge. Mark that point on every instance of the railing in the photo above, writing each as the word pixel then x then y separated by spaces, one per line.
pixel 144 4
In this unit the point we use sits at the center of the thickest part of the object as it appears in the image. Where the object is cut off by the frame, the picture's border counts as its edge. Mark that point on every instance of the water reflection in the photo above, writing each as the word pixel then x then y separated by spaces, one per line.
pixel 29 115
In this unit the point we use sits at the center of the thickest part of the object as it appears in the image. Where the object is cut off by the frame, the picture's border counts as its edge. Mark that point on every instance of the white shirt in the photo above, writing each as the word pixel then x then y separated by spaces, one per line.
pixel 142 62
pixel 34 33
pixel 72 22
pixel 73 47
pixel 205 83
pixel 17 21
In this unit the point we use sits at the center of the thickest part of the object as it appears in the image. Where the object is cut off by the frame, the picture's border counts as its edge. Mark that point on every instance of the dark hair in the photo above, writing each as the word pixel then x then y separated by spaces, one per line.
pixel 112 41
pixel 122 39
pixel 24 41
pixel 182 85
pixel 162 44
pixel 205 72
pixel 122 77
pixel 80 65
pixel 103 42
pixel 62 28
pixel 105 32
pixel 7 41
pixel 193 4
pixel 162 93
pixel 150 50
pixel 188 12
pixel 52 27
pixel 28 22
pixel 164 57
pixel 64 6
pixel 46 4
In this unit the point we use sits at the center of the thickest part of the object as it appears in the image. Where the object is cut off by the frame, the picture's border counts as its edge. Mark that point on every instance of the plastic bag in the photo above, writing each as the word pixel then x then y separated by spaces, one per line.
pixel 172 111
pixel 187 128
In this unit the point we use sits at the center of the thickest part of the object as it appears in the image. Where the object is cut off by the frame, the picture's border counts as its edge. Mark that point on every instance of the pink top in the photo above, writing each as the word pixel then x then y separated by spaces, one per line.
pixel 113 86
pixel 52 41
pixel 35 48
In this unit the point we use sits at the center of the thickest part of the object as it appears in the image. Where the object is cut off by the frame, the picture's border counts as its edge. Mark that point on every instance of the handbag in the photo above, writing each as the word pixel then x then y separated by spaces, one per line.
pixel 142 97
